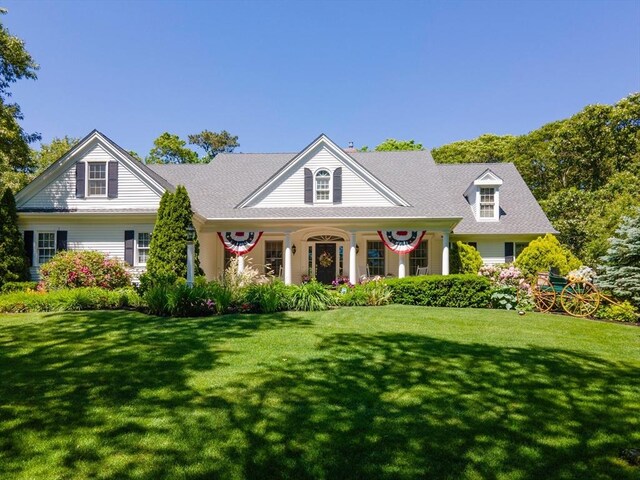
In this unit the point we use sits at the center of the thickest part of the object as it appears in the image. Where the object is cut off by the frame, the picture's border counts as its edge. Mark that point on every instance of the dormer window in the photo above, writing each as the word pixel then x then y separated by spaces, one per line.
pixel 487 202
pixel 484 197
pixel 323 191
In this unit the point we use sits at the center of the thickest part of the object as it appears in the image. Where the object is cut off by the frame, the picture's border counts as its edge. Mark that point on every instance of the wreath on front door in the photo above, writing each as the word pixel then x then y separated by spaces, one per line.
pixel 325 259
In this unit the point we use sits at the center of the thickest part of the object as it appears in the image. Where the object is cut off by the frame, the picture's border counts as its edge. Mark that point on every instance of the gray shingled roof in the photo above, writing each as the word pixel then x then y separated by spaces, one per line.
pixel 433 191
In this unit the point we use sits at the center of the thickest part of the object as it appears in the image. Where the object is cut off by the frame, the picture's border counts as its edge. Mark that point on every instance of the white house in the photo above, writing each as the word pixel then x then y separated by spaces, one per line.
pixel 316 212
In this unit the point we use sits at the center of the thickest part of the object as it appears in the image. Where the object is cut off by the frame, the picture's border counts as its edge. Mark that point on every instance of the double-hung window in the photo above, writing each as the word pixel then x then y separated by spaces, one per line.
pixel 144 242
pixel 46 246
pixel 97 179
pixel 419 257
pixel 375 258
pixel 323 178
pixel 273 255
pixel 487 202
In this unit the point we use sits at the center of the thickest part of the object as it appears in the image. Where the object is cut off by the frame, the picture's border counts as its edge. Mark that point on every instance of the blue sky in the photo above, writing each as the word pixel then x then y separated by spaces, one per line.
pixel 279 73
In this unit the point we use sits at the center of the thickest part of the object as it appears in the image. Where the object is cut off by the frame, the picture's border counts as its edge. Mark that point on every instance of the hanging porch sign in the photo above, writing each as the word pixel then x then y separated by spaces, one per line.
pixel 239 243
pixel 401 241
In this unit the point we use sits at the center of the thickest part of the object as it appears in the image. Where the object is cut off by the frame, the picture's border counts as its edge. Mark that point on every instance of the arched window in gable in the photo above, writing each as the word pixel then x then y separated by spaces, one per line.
pixel 323 187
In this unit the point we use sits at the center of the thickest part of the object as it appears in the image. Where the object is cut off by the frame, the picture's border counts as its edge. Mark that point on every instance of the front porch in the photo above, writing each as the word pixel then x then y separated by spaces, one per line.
pixel 327 252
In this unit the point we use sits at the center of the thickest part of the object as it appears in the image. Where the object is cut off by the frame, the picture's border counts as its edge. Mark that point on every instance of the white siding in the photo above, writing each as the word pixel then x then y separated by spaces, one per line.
pixel 107 238
pixel 133 193
pixel 290 191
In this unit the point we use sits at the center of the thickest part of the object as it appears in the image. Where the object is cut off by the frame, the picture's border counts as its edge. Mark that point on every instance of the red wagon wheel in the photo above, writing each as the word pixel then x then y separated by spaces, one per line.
pixel 580 299
pixel 544 295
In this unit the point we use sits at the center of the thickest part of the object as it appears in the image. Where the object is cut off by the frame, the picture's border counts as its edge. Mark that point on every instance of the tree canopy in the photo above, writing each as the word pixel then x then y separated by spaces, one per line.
pixel 214 143
pixel 15 64
pixel 169 148
pixel 13 258
pixel 391 144
pixel 584 170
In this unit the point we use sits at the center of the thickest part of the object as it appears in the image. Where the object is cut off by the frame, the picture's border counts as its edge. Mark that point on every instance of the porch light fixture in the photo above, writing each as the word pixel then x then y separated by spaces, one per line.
pixel 293 249
pixel 191 233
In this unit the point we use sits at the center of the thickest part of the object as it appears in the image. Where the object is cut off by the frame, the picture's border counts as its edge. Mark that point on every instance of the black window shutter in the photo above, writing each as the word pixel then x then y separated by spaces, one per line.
pixel 61 240
pixel 508 252
pixel 337 185
pixel 80 167
pixel 308 186
pixel 473 244
pixel 112 186
pixel 28 245
pixel 129 236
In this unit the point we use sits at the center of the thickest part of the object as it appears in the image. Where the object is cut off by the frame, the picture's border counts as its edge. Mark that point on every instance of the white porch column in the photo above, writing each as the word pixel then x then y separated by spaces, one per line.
pixel 353 273
pixel 287 258
pixel 445 253
pixel 240 264
pixel 401 268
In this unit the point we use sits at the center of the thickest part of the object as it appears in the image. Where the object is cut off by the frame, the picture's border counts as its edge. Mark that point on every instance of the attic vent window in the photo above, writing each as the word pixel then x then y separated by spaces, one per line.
pixel 323 178
pixel 487 202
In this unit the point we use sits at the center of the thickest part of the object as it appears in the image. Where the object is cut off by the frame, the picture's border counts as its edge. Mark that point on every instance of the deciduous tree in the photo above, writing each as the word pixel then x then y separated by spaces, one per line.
pixel 214 143
pixel 169 148
pixel 15 64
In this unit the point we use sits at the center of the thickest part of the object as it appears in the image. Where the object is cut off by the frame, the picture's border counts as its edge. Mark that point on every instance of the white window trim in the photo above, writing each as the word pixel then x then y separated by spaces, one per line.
pixel 136 252
pixel 87 178
pixel 496 204
pixel 36 248
pixel 315 186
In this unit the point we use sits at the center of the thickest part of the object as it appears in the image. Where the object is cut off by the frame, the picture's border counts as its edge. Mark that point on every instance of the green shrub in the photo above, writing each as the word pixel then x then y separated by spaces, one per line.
pixel 269 297
pixel 544 253
pixel 222 296
pixel 83 268
pixel 18 287
pixel 87 298
pixel 622 312
pixel 374 293
pixel 464 258
pixel 441 291
pixel 355 296
pixel 13 258
pixel 189 301
pixel 504 298
pixel 311 296
pixel 156 299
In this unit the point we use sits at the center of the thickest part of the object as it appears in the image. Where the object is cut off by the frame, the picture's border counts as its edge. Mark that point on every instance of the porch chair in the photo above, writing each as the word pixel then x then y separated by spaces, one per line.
pixel 422 271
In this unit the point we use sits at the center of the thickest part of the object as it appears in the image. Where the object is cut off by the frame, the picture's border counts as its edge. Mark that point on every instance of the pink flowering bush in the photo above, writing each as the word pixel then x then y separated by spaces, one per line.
pixel 503 275
pixel 84 268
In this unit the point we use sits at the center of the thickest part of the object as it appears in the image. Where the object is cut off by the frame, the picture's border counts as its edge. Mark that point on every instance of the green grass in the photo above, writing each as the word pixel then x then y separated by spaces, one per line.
pixel 391 392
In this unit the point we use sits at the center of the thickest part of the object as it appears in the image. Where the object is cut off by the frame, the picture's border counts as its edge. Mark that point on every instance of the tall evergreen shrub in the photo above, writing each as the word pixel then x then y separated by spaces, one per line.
pixel 621 264
pixel 464 259
pixel 168 249
pixel 14 265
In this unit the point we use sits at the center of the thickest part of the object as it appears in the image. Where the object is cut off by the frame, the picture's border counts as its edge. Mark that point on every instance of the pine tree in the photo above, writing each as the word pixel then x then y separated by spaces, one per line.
pixel 13 259
pixel 621 264
pixel 168 249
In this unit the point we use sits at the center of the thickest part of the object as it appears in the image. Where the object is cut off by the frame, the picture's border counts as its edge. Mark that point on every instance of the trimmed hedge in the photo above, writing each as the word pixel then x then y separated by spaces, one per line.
pixel 10 287
pixel 462 291
pixel 84 298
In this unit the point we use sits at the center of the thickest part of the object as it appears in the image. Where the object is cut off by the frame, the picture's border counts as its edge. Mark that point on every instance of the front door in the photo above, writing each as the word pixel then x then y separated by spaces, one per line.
pixel 325 262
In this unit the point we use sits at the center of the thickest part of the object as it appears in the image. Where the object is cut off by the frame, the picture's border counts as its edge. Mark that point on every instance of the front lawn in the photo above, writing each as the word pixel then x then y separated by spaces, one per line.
pixel 390 392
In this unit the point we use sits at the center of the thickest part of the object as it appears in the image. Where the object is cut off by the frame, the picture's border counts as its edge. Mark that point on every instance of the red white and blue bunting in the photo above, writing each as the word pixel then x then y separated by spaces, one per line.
pixel 401 241
pixel 239 243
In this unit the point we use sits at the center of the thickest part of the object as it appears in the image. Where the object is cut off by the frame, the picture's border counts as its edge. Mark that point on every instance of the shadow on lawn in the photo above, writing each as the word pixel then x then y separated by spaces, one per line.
pixel 117 398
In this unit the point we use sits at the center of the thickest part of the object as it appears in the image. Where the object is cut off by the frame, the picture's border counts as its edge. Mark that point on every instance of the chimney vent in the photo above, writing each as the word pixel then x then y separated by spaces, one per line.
pixel 350 144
